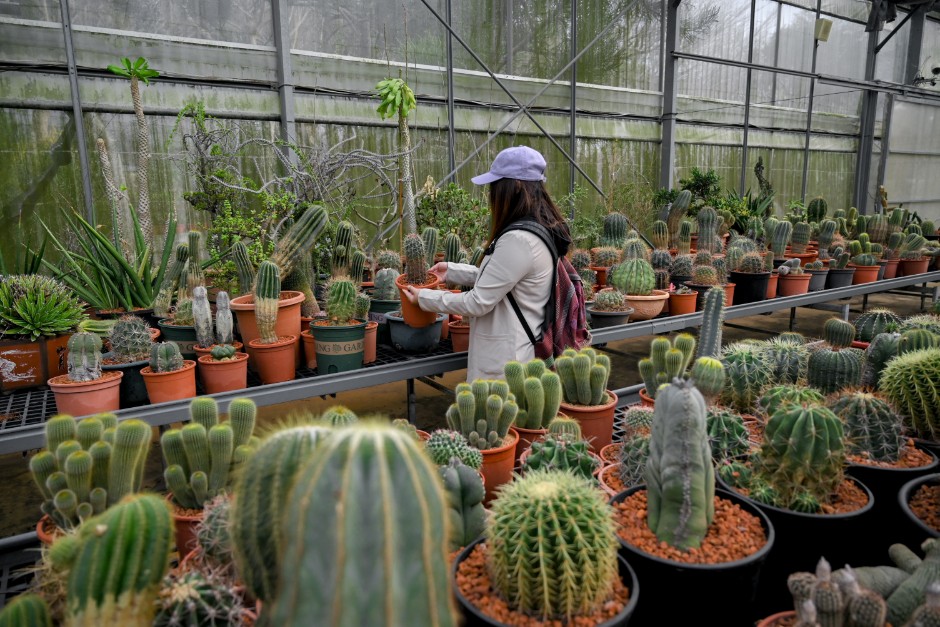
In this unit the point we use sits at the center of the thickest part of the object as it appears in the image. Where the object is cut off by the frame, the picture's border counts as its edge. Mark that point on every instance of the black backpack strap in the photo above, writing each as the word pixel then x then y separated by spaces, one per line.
pixel 543 234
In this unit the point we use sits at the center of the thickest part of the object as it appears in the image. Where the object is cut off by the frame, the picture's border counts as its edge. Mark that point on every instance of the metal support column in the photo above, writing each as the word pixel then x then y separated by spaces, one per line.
pixel 451 133
pixel 77 111
pixel 285 78
pixel 668 120
pixel 885 139
pixel 866 136
pixel 573 113
pixel 915 44
pixel 809 110
pixel 747 99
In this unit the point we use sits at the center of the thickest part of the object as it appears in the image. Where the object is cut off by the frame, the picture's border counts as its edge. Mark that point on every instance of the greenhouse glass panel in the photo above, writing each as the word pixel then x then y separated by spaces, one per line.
pixel 796 38
pixel 891 60
pixel 930 54
pixel 914 158
pixel 782 157
pixel 709 148
pixel 714 29
pixel 843 56
pixel 37 40
pixel 41 10
pixel 836 108
pixel 237 21
pixel 709 92
pixel 778 101
pixel 852 9
pixel 765 32
pixel 628 55
pixel 831 171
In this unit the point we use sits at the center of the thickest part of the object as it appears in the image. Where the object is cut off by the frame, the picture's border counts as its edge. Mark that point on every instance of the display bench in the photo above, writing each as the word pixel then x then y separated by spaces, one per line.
pixel 26 411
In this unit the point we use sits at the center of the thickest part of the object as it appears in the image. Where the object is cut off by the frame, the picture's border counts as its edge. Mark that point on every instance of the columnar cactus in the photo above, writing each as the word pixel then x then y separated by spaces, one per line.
pixel 800 238
pixel 677 212
pixel 452 248
pixel 223 320
pixel 713 313
pixel 193 597
pixel 802 456
pixel 267 294
pixel 431 236
pixel 746 373
pixel 827 232
pixel 483 413
pixel 660 235
pixel 615 230
pixel 183 312
pixel 357 265
pixel 684 240
pixel 727 435
pixel 816 209
pixel 787 361
pixel 132 538
pixel 634 454
pixel 708 374
pixel 680 477
pixel 26 610
pixel 666 361
pixel 634 277
pixel 872 427
pixel 84 360
pixel 445 444
pixel 363 304
pixel 708 236
pixel 537 392
pixel 165 357
pixel 606 256
pixel 341 301
pixel 130 339
pixel 565 454
pixel 172 276
pixel 244 268
pixel 408 539
pixel 781 235
pixel 202 317
pixel 551 546
pixel 909 382
pixel 298 240
pixel 873 322
pixel 261 496
pixel 416 265
pixel 385 288
pixel 464 488
pixel 194 273
pixel 342 248
pixel 584 376
pixel 635 248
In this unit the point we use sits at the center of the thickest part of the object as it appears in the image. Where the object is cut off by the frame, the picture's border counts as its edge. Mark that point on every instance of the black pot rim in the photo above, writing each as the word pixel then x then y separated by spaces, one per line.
pixel 842 270
pixel 904 497
pixel 397 317
pixel 129 364
pixel 629 311
pixel 932 465
pixel 750 274
pixel 628 610
pixel 790 512
pixel 727 495
pixel 166 322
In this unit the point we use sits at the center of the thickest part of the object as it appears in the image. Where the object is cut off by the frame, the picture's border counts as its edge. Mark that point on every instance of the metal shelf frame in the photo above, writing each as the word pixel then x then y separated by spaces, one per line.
pixel 30 436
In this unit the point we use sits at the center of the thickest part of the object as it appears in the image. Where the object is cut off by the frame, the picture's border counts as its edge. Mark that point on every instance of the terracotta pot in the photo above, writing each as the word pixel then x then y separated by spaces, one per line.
pixel 200 351
pixel 498 464
pixel 597 421
pixel 526 438
pixel 680 304
pixel 33 363
pixel 87 397
pixel 772 285
pixel 805 258
pixel 864 274
pixel 46 530
pixel 288 320
pixel 155 334
pixel 907 267
pixel 776 619
pixel 646 307
pixel 223 376
pixel 646 400
pixel 601 273
pixel 273 360
pixel 459 336
pixel 861 345
pixel 310 349
pixel 793 284
pixel 729 294
pixel 184 528
pixel 891 268
pixel 170 386
pixel 415 316
pixel 369 343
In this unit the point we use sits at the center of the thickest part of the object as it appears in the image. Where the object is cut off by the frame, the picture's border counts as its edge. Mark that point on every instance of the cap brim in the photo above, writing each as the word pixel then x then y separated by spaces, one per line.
pixel 483 179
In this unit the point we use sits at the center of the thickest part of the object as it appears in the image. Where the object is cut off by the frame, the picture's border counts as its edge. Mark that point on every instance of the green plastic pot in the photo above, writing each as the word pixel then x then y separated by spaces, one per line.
pixel 184 337
pixel 338 348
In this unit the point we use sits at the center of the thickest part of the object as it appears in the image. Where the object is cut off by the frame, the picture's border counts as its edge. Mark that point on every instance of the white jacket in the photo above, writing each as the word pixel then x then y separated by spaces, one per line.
pixel 520 262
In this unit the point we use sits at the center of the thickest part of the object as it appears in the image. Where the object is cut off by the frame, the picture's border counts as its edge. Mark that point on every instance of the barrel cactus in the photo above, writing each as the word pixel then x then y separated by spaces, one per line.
pixel 564 427
pixel 130 339
pixel 561 453
pixel 84 360
pixel 609 299
pixel 385 288
pixel 708 374
pixel 580 259
pixel 917 339
pixel 551 546
pixel 910 383
pixel 26 610
pixel 635 248
pixel 833 369
pixel 746 374
pixel 388 259
pixel 727 434
pixel 787 361
pixel 883 348
pixel 873 322
pixel 537 392
pixel 606 256
pixel 483 413
pixel 338 416
pixel 634 277
pixel 776 397
pixel 445 444
pixel 615 230
pixel 872 428
pixel 194 597
pixel 584 376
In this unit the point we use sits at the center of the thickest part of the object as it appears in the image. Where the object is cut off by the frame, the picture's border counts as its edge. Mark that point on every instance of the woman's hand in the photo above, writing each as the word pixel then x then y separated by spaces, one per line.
pixel 411 294
pixel 440 269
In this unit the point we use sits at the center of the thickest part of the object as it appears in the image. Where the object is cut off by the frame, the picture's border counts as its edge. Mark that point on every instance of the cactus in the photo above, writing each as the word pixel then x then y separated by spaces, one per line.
pixel 872 428
pixel 909 382
pixel 635 248
pixel 681 265
pixel 634 277
pixel 727 435
pixel 928 614
pixel 452 248
pixel 708 374
pixel 713 311
pixel 84 360
pixel 482 415
pixel 130 339
pixel 267 294
pixel 661 259
pixel 677 212
pixel 244 268
pixel 213 535
pixel 363 303
pixel 165 357
pixel 298 240
pixel 408 531
pixel 708 235
pixel 416 267
pixel 606 256
pixel 194 273
pixel 827 231
pixel 464 488
pixel 223 320
pixel 838 333
pixel 660 235
pixel 551 547
pixel 537 392
pixel 873 322
pixel 580 259
pixel 342 248
pixel 430 235
pixel 196 598
pixel 917 339
pixel 787 361
pixel 816 209
pixel 385 288
pixel 800 238
pixel 584 377
pixel 261 497
pixel 746 373
pixel 778 396
pixel 388 259
pixel 922 321
pixel 183 313
pixel 684 241
pixel 357 264
pixel 341 301
pixel 132 538
pixel 564 427
pixel 551 453
pixel 172 276
pixel 704 275
pixel 609 299
pixel 666 361
pixel 26 610
pixel 802 456
pixel 339 416
pixel 615 230
pixel 680 477
pixel 781 235
pixel 634 454
pixel 445 444
pixel 833 370
pixel 882 349
pixel 202 317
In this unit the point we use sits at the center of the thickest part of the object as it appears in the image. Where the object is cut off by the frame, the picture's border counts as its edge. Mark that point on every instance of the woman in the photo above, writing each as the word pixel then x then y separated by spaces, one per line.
pixel 516 261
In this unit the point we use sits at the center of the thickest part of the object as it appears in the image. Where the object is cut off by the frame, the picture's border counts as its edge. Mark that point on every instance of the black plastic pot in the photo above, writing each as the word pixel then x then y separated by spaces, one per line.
pixel 679 279
pixel 839 277
pixel 881 271
pixel 801 539
pixel 818 282
pixel 604 319
pixel 411 340
pixel 748 287
pixel 700 290
pixel 377 311
pixel 735 583
pixel 913 524
pixel 475 618
pixel 779 262
pixel 183 336
pixel 133 391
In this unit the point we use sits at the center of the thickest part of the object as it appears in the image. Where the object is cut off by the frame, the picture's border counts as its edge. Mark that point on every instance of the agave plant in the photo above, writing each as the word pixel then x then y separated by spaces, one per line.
pixel 32 306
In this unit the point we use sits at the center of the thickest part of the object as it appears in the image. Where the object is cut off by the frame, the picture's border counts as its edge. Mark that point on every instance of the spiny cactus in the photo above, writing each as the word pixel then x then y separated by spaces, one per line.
pixel 909 382
pixel 838 333
pixel 244 268
pixel 537 392
pixel 872 427
pixel 635 248
pixel 746 373
pixel 552 453
pixel 831 370
pixel 407 538
pixel 800 238
pixel 165 357
pixel 609 299
pixel 464 488
pixel 132 538
pixel 660 236
pixel 84 361
pixel 564 427
pixel 261 497
pixel 584 376
pixel 172 276
pixel 684 241
pixel 634 453
pixel 298 240
pixel 917 339
pixel 781 235
pixel 816 209
pixel 922 321
pixel 196 598
pixel 634 277
pixel 708 374
pixel 551 548
pixel 727 435
pixel 26 610
pixel 416 266
pixel 388 259
pixel 342 248
pixel 224 325
pixel 338 416
pixel 385 288
pixel 713 312
pixel 677 212
pixel 267 294
pixel 827 232
pixel 615 230
pixel 882 349
pixel 660 259
pixel 708 226
pixel 194 273
pixel 776 397
pixel 787 361
pixel 704 275
pixel 130 339
pixel 363 304
pixel 680 477
pixel 681 266
pixel 213 535
pixel 341 301
pixel 183 313
pixel 452 248
pixel 580 259
pixel 606 256
pixel 431 236
pixel 202 317
pixel 483 413
pixel 357 264
pixel 445 444
pixel 873 322
pixel 666 361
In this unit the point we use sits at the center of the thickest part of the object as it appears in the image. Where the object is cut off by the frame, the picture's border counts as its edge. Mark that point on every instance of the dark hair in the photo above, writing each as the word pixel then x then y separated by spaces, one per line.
pixel 512 200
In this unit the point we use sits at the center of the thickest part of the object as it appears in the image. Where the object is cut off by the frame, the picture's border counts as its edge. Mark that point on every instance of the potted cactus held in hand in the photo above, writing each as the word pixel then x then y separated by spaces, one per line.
pixel 85 389
pixel 169 377
pixel 130 340
pixel 416 275
pixel 340 336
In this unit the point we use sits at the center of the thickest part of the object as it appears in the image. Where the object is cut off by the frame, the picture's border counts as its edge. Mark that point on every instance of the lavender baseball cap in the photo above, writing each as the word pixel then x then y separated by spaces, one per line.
pixel 518 162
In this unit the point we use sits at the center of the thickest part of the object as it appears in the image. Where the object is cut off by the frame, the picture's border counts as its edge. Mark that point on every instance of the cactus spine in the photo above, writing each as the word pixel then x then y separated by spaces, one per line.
pixel 267 293
pixel 244 268
pixel 165 357
pixel 483 413
pixel 130 339
pixel 408 523
pixel 615 230
pixel 172 276
pixel 385 288
pixel 537 392
pixel 708 235
pixel 202 317
pixel 872 427
pixel 341 301
pixel 465 493
pixel 561 454
pixel 298 240
pixel 584 376
pixel 416 266
pixel 713 312
pixel 634 277
pixel 84 361
pixel 909 381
